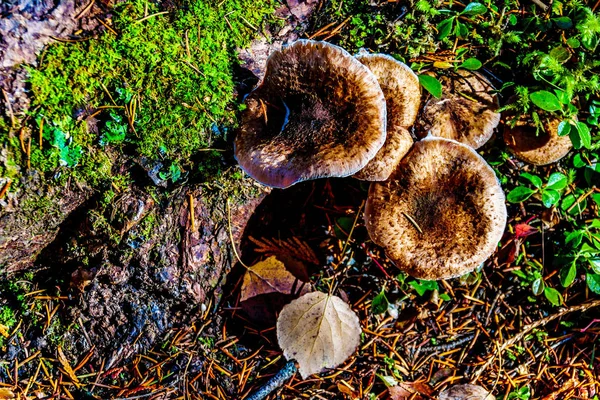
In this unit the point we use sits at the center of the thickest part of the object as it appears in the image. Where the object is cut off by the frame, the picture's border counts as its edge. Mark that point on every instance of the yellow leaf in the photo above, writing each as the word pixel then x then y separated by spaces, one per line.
pixel 269 276
pixel 442 65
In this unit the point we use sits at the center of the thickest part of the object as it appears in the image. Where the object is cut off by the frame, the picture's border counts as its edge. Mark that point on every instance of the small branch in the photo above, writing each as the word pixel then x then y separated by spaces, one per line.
pixel 275 382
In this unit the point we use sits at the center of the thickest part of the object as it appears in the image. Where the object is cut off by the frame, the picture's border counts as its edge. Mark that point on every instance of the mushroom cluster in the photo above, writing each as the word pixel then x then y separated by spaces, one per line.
pixel 435 206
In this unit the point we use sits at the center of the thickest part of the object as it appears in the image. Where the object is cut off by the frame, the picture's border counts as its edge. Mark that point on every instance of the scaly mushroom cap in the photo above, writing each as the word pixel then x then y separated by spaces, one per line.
pixel 318 113
pixel 440 214
pixel 467 111
pixel 542 148
pixel 402 93
pixel 398 143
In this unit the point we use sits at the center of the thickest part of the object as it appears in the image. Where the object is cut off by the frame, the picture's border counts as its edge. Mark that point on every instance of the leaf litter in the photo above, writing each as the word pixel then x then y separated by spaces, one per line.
pixel 319 331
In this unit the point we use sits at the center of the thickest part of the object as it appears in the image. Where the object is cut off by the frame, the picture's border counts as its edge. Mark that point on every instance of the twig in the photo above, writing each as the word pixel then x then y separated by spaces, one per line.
pixel 275 382
pixel 192 216
pixel 150 16
pixel 529 328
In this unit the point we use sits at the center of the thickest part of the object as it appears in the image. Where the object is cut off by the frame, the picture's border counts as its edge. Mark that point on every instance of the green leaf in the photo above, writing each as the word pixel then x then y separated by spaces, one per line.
pixel 557 181
pixel 553 296
pixel 432 85
pixel 584 134
pixel 567 275
pixel 564 128
pixel 573 43
pixel 562 96
pixel 550 197
pixel 575 139
pixel 560 54
pixel 535 180
pixel 578 161
pixel 473 9
pixel 593 282
pixel 380 304
pixel 563 22
pixel 545 100
pixel 537 287
pixel 444 28
pixel 423 286
pixel 575 237
pixel 519 194
pixel 595 264
pixel 471 64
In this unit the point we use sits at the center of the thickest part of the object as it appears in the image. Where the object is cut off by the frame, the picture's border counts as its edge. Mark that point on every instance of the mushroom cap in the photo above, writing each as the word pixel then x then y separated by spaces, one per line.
pixel 440 214
pixel 467 111
pixel 398 143
pixel 400 86
pixel 402 93
pixel 537 148
pixel 318 113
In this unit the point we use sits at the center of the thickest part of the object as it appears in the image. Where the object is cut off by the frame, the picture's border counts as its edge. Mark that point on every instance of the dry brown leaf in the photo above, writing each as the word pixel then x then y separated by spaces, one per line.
pixel 66 366
pixel 6 394
pixel 318 331
pixel 410 390
pixel 269 276
pixel 466 392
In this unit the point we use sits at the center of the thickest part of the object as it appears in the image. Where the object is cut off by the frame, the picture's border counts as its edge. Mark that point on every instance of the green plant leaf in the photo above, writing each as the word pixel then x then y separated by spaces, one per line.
pixel 422 286
pixel 564 128
pixel 573 43
pixel 584 134
pixel 567 275
pixel 595 264
pixel 444 28
pixel 563 22
pixel 519 194
pixel 380 304
pixel 471 64
pixel 473 9
pixel 537 287
pixel 535 180
pixel 545 100
pixel 553 296
pixel 557 181
pixel 432 85
pixel 593 282
pixel 560 54
pixel 550 197
pixel 576 237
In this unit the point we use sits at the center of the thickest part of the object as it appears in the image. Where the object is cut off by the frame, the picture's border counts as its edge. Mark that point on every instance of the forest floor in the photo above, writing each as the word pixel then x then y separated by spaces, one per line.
pixel 117 276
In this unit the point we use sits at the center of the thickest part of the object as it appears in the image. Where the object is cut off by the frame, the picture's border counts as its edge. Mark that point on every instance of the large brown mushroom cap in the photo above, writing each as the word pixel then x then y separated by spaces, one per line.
pixel 440 214
pixel 537 148
pixel 402 93
pixel 467 111
pixel 318 113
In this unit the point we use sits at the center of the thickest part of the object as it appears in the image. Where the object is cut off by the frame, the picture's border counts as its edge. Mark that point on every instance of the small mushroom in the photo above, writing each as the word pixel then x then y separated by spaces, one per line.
pixel 467 111
pixel 318 113
pixel 402 93
pixel 440 214
pixel 537 148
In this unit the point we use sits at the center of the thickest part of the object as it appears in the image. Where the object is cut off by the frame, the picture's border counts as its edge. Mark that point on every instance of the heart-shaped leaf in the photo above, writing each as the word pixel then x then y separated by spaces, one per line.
pixel 318 331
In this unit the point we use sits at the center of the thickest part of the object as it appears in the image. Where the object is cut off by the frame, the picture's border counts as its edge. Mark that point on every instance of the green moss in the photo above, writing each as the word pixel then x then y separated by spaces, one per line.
pixel 166 76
